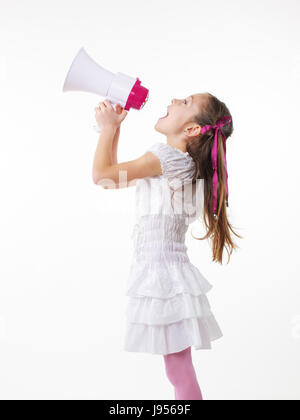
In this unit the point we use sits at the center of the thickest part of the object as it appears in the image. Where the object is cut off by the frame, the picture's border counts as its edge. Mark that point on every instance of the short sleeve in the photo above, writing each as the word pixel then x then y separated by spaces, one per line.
pixel 176 165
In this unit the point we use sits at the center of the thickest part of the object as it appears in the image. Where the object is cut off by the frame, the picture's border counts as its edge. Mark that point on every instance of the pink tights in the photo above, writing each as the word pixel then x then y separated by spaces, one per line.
pixel 181 373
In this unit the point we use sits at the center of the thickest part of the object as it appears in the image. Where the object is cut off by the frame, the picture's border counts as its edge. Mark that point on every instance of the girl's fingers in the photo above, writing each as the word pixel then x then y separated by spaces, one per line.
pixel 107 103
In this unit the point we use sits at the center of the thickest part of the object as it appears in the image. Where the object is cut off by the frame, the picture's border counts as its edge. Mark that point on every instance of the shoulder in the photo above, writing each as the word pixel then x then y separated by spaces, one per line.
pixel 174 162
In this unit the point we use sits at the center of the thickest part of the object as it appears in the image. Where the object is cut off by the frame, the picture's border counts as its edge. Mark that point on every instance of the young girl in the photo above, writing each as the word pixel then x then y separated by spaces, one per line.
pixel 168 311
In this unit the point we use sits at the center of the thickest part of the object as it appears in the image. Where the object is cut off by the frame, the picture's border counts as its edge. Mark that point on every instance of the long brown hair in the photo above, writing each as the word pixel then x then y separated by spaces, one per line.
pixel 218 229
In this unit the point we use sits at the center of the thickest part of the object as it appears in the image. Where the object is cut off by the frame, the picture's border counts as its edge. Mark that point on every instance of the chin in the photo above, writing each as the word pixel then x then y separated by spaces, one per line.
pixel 157 128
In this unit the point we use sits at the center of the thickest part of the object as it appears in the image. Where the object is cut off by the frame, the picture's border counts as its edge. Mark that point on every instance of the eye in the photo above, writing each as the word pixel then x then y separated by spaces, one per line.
pixel 185 101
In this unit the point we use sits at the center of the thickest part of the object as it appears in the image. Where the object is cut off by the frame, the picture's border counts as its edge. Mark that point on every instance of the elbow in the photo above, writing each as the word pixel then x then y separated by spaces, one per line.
pixel 102 180
pixel 96 176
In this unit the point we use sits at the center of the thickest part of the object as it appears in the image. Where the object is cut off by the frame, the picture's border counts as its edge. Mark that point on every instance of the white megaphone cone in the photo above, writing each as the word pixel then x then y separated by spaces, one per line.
pixel 86 75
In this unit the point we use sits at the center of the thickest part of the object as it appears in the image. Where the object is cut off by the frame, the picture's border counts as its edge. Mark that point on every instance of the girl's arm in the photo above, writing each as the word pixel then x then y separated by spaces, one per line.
pixel 108 173
pixel 115 160
pixel 114 155
pixel 115 147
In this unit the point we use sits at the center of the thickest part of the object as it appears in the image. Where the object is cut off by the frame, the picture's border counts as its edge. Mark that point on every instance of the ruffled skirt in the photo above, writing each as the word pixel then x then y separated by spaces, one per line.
pixel 168 310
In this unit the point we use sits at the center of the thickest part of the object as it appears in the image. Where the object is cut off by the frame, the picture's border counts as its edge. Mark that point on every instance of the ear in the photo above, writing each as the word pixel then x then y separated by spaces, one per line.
pixel 193 130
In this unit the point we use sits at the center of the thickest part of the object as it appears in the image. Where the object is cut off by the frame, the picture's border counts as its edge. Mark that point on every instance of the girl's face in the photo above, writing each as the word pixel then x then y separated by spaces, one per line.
pixel 180 114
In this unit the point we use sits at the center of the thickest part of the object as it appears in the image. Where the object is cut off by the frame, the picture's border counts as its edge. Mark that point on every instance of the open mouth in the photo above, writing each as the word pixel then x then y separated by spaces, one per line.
pixel 164 116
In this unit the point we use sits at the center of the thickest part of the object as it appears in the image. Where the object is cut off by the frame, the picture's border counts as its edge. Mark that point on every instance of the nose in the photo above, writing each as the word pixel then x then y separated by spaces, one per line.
pixel 173 101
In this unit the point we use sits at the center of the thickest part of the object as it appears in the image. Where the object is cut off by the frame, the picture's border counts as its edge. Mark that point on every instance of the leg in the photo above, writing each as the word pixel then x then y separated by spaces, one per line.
pixel 181 373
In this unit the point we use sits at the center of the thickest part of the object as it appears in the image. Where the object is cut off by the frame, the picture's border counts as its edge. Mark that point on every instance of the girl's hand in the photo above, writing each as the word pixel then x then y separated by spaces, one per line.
pixel 106 116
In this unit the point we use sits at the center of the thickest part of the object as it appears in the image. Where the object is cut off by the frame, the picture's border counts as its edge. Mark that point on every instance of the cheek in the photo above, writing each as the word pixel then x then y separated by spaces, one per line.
pixel 176 120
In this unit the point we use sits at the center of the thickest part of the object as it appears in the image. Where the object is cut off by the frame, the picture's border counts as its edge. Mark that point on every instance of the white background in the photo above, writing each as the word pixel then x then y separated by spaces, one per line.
pixel 65 243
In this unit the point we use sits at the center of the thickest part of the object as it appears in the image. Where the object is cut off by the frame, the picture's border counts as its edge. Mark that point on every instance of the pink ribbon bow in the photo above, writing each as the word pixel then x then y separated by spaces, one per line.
pixel 214 153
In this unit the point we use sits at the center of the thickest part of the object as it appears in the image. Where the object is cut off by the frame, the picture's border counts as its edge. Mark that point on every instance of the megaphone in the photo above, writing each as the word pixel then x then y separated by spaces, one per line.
pixel 86 75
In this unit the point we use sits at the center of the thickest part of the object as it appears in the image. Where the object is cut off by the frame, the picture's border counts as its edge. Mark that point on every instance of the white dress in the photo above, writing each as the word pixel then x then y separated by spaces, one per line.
pixel 167 310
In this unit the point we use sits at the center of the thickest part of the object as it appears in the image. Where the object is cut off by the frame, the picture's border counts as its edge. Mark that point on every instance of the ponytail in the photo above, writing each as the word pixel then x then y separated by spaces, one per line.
pixel 206 150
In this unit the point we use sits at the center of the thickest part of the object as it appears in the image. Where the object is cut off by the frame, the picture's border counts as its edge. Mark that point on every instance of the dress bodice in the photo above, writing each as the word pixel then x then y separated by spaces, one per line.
pixel 166 204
